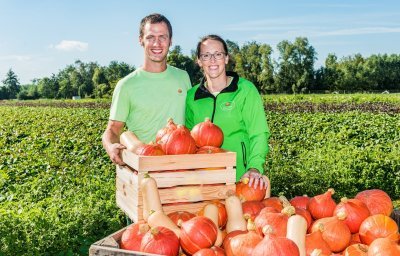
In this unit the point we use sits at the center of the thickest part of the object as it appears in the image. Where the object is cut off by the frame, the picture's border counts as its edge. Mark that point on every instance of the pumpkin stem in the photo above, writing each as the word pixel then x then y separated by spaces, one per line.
pixel 245 180
pixel 207 119
pixel 289 210
pixel 344 200
pixel 246 216
pixel 362 247
pixel 321 227
pixel 341 215
pixel 268 230
pixel 154 231
pixel 146 175
pixel 143 228
pixel 251 226
pixel 179 223
pixel 331 190
pixel 285 202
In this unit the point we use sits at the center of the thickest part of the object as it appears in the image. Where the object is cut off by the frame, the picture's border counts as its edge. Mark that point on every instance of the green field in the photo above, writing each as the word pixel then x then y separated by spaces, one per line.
pixel 57 184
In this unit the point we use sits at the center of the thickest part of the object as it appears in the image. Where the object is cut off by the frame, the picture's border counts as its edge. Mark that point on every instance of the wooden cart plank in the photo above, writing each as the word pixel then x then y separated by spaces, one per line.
pixel 109 247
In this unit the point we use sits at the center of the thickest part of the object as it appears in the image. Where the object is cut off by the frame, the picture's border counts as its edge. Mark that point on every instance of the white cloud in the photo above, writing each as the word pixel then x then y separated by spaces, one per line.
pixel 67 45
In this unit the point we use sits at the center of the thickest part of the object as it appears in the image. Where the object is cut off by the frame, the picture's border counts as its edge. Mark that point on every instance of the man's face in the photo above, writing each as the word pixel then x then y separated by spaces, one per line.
pixel 155 41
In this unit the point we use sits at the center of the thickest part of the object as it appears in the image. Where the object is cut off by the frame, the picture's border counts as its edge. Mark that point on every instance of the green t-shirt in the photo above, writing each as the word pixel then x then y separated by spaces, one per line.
pixel 145 100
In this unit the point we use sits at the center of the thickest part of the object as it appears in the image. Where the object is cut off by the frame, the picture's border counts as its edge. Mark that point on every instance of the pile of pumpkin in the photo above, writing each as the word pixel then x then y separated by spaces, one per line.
pixel 173 139
pixel 249 224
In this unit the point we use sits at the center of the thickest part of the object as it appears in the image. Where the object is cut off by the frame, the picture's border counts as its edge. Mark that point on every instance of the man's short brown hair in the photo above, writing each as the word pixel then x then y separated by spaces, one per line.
pixel 153 19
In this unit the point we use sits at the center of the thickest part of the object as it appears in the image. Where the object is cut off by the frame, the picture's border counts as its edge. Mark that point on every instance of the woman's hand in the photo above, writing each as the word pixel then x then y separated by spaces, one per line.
pixel 255 179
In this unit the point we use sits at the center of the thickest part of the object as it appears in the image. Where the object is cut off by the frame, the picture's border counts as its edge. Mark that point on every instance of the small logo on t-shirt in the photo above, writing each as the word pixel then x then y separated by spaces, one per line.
pixel 179 90
pixel 227 106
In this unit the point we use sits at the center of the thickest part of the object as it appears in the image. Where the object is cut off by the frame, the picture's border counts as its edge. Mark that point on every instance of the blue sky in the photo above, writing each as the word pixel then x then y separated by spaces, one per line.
pixel 38 38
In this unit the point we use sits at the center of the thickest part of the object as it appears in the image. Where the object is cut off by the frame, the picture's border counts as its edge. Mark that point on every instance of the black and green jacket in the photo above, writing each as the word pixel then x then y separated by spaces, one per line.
pixel 238 110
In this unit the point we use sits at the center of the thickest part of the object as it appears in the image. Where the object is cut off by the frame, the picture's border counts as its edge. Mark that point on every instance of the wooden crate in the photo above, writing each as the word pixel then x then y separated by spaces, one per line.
pixel 188 189
pixel 110 246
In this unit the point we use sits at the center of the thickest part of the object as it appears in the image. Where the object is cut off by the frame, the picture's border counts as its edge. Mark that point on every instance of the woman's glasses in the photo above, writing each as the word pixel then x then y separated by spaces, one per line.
pixel 207 56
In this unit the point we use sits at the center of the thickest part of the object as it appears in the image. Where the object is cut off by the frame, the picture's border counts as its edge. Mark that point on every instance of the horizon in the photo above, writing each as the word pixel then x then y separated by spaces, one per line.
pixel 44 37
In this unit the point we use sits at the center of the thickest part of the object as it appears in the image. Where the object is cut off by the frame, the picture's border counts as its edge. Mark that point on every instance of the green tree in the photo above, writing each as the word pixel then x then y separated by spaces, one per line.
pixel 28 92
pixel 253 61
pixel 233 49
pixel 101 85
pixel 115 71
pixel 11 84
pixel 296 66
pixel 48 87
pixel 177 59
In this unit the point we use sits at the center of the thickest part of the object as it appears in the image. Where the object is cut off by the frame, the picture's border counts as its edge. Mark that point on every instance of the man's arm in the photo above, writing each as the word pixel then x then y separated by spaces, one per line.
pixel 111 141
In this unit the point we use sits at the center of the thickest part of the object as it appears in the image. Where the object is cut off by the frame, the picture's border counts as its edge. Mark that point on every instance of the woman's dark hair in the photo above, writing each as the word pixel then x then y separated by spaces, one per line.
pixel 211 37
pixel 154 19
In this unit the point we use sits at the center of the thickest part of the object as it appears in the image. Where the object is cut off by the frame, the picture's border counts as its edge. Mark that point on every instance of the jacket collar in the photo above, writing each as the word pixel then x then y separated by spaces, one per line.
pixel 202 91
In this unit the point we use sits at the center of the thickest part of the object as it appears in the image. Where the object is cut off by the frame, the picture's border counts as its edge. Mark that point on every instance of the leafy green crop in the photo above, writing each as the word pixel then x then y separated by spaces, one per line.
pixel 57 185
pixel 349 152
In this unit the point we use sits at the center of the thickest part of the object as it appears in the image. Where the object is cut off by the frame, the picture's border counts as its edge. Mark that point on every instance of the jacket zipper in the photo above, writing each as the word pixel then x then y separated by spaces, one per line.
pixel 215 106
pixel 244 154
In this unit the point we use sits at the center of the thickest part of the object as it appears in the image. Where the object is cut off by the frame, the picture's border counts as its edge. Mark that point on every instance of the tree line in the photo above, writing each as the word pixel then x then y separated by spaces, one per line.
pixel 292 72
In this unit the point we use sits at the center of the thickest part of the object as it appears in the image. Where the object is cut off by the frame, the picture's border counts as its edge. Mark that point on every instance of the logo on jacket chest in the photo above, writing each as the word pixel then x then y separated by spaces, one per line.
pixel 227 105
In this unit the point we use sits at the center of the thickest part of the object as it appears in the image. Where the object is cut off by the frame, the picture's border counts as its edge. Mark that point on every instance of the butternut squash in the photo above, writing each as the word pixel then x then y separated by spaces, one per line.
pixel 160 219
pixel 130 141
pixel 211 212
pixel 234 211
pixel 296 231
pixel 150 196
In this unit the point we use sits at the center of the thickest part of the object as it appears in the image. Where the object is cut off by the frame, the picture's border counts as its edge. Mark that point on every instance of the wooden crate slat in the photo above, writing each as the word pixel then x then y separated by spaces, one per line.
pixel 128 192
pixel 128 204
pixel 198 177
pixel 194 193
pixel 189 207
pixel 176 162
pixel 127 175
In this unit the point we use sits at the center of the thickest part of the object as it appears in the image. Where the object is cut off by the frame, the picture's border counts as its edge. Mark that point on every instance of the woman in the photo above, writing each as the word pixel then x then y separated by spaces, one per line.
pixel 234 104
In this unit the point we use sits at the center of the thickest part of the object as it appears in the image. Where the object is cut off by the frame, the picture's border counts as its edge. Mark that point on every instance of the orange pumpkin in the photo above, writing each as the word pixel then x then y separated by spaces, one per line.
pixel 179 217
pixel 213 251
pixel 222 215
pixel 377 201
pixel 378 226
pixel 207 134
pixel 383 247
pixel 197 233
pixel 356 250
pixel 249 193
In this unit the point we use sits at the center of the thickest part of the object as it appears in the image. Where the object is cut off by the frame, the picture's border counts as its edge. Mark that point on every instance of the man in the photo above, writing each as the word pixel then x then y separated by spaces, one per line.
pixel 146 98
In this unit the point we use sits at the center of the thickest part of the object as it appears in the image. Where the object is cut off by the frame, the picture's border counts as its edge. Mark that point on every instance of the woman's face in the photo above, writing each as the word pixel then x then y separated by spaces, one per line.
pixel 213 58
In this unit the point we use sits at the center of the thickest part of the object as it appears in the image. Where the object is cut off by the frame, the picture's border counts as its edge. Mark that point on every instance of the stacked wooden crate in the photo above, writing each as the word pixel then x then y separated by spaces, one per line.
pixel 185 182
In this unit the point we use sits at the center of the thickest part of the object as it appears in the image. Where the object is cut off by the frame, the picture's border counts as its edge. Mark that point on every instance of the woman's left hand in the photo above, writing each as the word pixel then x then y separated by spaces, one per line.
pixel 255 179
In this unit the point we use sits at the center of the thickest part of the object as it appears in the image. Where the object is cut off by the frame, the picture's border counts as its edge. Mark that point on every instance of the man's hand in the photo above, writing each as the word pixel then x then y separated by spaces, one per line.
pixel 110 140
pixel 255 179
pixel 114 151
